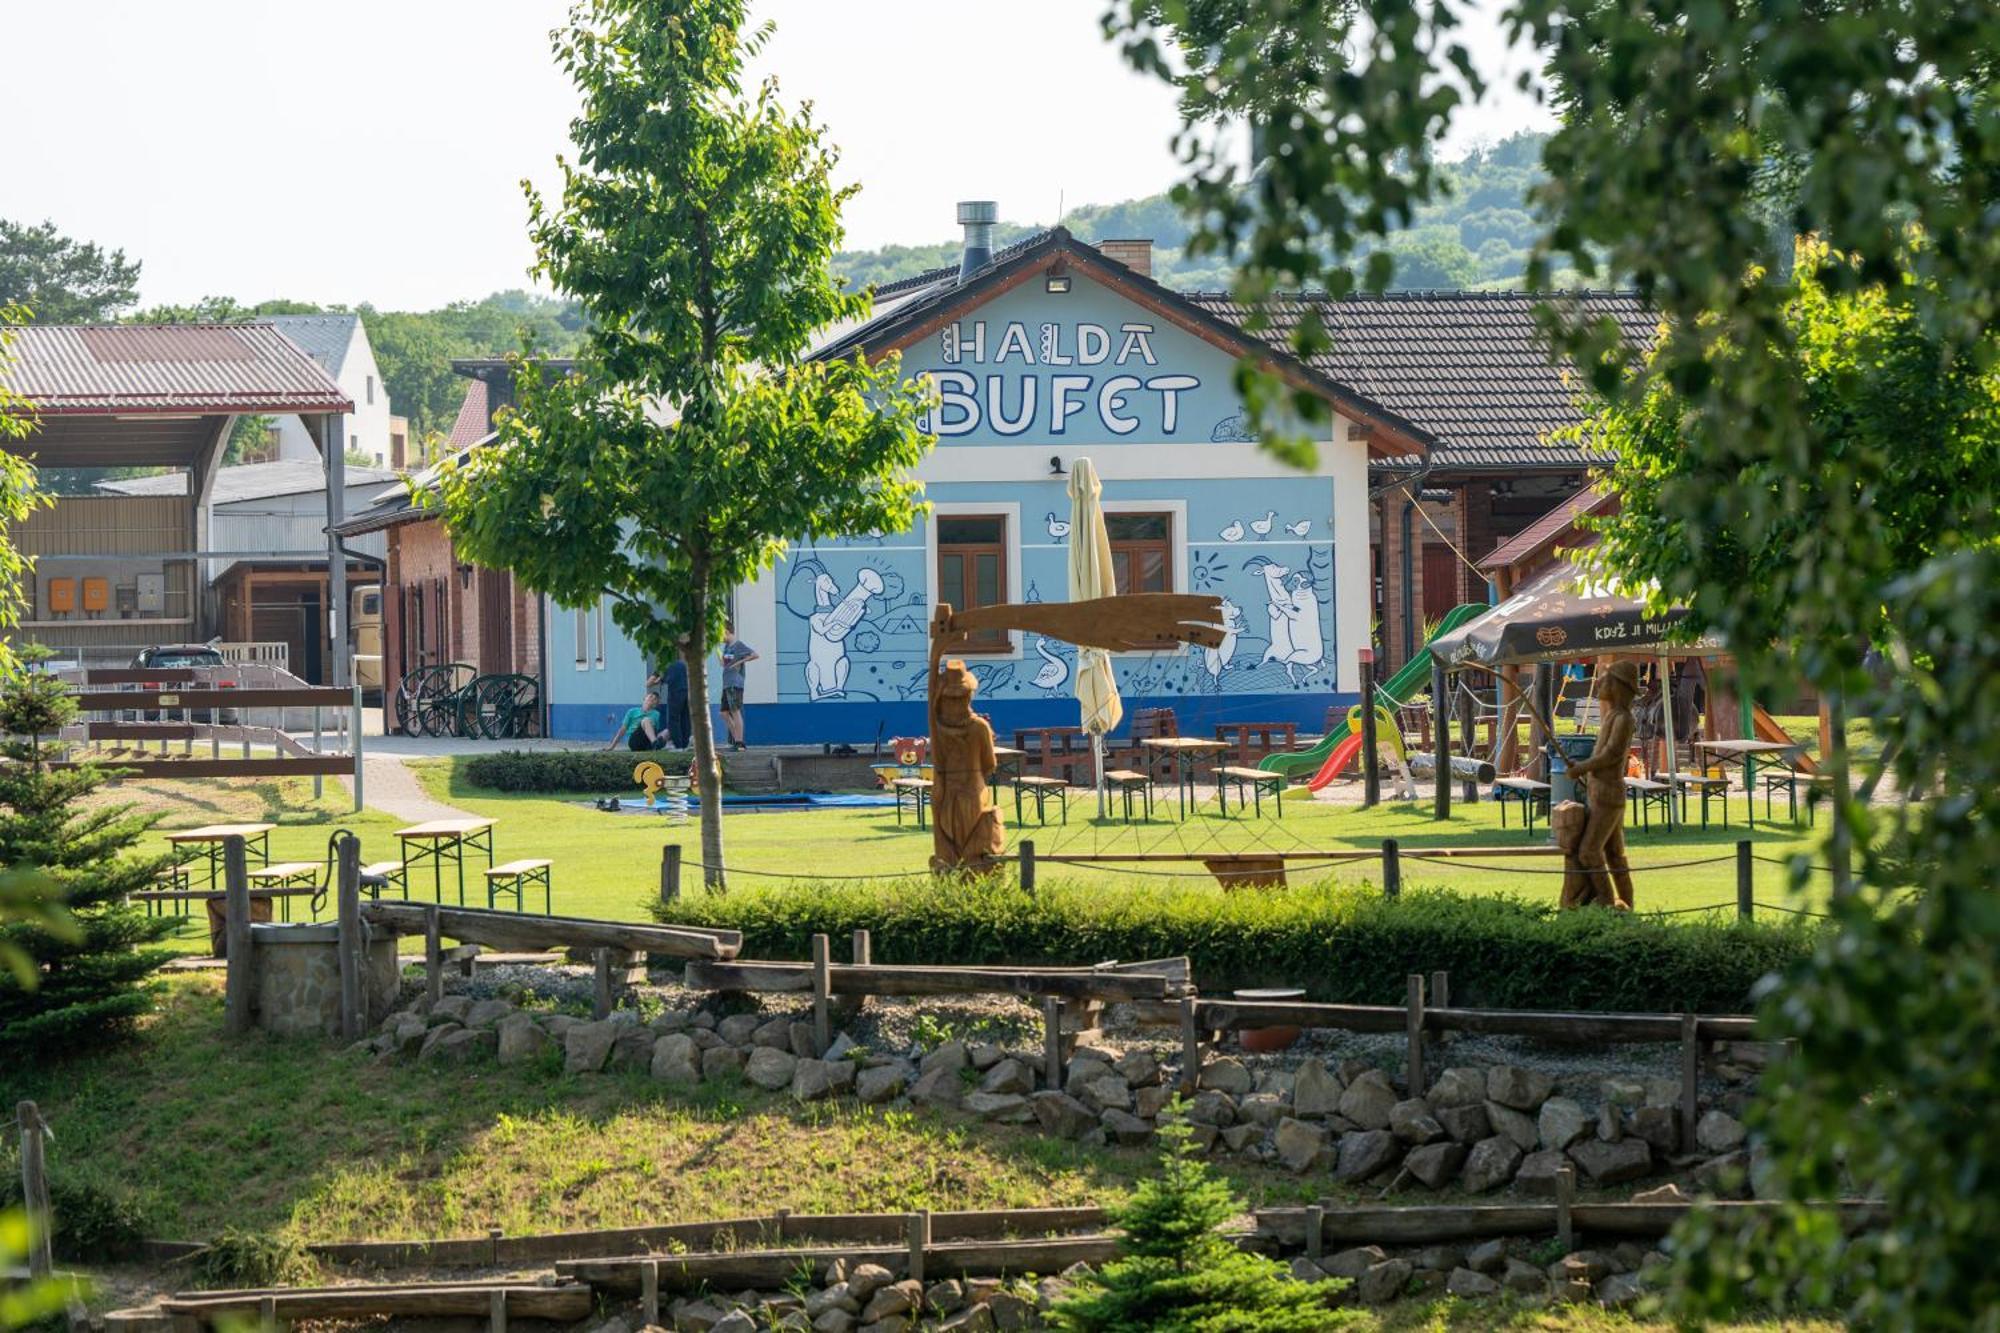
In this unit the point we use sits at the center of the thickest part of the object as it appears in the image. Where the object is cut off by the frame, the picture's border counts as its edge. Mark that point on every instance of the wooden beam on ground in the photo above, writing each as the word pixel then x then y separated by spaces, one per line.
pixel 1236 1015
pixel 1436 1223
pixel 730 1271
pixel 563 1302
pixel 520 931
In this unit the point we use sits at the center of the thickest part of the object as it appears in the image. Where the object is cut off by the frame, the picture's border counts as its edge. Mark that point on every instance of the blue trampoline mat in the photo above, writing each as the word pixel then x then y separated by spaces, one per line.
pixel 775 801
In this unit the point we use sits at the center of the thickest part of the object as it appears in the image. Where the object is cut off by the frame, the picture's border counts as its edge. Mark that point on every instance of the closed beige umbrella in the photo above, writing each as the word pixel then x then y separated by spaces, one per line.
pixel 1091 576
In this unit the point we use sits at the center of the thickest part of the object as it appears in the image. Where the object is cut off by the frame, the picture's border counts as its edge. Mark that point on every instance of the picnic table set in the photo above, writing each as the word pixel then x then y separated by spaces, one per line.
pixel 198 873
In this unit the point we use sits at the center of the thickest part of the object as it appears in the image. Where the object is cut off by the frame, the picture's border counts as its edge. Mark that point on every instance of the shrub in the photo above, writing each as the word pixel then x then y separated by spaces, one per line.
pixel 1342 944
pixel 1177 1274
pixel 597 772
pixel 87 980
pixel 94 1220
pixel 240 1258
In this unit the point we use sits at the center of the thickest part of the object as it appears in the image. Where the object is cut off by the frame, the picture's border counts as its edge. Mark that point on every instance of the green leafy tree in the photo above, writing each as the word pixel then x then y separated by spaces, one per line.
pixel 1177 1273
pixel 19 495
pixel 62 281
pixel 695 440
pixel 414 354
pixel 85 983
pixel 1778 518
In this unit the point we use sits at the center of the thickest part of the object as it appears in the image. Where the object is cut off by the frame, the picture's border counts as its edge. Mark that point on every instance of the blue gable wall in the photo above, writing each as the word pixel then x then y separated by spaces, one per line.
pixel 842 625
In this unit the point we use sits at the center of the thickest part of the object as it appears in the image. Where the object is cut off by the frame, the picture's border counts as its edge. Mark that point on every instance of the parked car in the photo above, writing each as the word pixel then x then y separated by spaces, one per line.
pixel 179 657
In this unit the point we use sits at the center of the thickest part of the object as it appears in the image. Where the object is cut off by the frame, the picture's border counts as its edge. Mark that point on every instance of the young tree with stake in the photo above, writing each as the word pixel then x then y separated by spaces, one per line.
pixel 695 439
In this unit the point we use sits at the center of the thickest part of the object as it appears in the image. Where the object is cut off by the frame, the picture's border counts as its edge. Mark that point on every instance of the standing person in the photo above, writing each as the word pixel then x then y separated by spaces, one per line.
pixel 736 655
pixel 674 681
pixel 640 729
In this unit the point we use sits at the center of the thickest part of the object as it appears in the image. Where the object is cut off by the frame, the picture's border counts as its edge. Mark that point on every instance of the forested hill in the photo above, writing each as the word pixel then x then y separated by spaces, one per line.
pixel 1476 238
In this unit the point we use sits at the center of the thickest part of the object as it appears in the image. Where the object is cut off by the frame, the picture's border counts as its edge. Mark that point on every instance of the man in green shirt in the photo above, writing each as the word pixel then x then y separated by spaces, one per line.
pixel 641 728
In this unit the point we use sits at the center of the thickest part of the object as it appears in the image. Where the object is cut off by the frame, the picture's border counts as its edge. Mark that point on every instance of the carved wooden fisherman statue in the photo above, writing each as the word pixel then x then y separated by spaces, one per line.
pixel 1596 872
pixel 966 833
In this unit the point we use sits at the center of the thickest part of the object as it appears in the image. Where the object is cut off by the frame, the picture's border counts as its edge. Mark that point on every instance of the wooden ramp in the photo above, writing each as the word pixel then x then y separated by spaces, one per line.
pixel 522 932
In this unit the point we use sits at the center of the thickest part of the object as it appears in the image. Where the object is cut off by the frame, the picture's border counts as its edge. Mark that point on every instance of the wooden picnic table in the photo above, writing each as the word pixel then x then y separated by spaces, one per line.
pixel 437 840
pixel 208 841
pixel 1185 751
pixel 1007 763
pixel 1745 751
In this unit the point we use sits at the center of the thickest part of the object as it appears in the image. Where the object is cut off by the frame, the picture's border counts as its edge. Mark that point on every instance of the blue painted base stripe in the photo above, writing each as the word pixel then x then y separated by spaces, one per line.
pixel 859 724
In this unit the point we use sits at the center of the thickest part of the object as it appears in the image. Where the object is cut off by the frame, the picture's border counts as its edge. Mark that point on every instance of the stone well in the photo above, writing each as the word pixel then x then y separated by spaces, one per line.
pixel 296 978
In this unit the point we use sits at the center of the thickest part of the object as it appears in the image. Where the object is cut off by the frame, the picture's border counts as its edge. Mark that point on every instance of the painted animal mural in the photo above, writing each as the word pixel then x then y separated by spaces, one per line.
pixel 1296 637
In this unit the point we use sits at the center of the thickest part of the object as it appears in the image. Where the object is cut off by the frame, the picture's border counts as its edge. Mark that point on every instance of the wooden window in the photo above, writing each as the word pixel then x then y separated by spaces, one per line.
pixel 972 570
pixel 1142 553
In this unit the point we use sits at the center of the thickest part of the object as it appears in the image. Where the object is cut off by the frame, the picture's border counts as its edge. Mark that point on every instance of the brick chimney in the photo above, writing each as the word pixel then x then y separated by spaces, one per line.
pixel 1136 255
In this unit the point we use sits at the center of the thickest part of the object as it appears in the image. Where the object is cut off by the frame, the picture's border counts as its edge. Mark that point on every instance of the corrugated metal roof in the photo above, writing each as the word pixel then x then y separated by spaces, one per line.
pixel 251 481
pixel 325 338
pixel 109 369
pixel 1472 368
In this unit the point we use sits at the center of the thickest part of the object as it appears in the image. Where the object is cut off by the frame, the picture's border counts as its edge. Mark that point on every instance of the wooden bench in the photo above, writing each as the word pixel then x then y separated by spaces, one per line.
pixel 917 791
pixel 1254 780
pixel 388 874
pixel 515 877
pixel 1531 794
pixel 1685 783
pixel 1791 780
pixel 1126 781
pixel 1041 789
pixel 1643 796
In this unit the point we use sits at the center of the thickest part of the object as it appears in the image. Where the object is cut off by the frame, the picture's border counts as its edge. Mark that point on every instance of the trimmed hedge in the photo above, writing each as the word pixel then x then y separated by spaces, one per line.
pixel 597 772
pixel 1343 945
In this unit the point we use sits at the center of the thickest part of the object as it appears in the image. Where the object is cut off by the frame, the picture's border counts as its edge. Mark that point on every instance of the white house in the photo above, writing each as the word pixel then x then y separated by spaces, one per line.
pixel 340 344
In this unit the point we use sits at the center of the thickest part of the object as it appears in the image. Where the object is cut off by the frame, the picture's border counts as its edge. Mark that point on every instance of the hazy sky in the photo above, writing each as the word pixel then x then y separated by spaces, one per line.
pixel 371 150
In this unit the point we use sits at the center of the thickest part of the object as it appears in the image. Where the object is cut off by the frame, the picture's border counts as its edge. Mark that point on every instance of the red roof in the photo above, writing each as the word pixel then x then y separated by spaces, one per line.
pixel 474 420
pixel 115 369
pixel 1542 535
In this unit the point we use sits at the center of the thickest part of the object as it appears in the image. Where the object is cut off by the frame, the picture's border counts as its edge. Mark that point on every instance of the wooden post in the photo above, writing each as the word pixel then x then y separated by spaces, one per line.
pixel 433 956
pixel 600 990
pixel 1027 865
pixel 1441 800
pixel 1392 868
pixel 1441 998
pixel 1565 1200
pixel 353 1003
pixel 1315 1231
pixel 822 981
pixel 496 1310
pixel 267 1313
pixel 1190 1048
pixel 670 872
pixel 1690 1076
pixel 1746 883
pixel 236 937
pixel 778 1220
pixel 920 1239
pixel 1413 1031
pixel 864 948
pixel 649 1292
pixel 35 1190
pixel 1371 757
pixel 1052 1007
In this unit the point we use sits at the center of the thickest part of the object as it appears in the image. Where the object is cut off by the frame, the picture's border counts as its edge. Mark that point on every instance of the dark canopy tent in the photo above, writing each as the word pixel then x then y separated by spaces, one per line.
pixel 1563 615
pixel 1566 614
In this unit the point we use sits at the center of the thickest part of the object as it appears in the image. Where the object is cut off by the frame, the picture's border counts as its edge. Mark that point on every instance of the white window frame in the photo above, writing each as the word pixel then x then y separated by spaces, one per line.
pixel 1009 510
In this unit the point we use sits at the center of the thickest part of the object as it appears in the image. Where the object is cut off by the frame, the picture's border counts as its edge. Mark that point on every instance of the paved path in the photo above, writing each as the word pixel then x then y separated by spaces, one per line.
pixel 394 789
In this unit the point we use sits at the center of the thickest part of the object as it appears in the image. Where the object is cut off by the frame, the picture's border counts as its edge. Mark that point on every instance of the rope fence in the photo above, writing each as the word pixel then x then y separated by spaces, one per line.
pixel 1244 866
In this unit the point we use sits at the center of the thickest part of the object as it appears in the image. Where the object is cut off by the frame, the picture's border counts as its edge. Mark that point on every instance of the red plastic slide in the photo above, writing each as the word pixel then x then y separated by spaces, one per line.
pixel 1343 754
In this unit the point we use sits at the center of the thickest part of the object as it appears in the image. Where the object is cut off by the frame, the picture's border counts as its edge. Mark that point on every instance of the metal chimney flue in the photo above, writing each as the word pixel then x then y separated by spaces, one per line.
pixel 977 216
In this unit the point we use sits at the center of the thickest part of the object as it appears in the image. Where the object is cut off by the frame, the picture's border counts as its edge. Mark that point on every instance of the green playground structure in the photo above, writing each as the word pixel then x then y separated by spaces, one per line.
pixel 1411 680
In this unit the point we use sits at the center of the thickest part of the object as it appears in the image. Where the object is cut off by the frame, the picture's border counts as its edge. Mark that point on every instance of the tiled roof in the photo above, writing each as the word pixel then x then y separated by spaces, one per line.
pixel 112 369
pixel 325 338
pixel 921 280
pixel 1470 368
pixel 251 481
pixel 471 425
pixel 1549 528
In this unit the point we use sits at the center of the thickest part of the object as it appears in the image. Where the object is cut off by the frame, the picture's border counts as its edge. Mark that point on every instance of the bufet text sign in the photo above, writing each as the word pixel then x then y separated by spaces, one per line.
pixel 1056 379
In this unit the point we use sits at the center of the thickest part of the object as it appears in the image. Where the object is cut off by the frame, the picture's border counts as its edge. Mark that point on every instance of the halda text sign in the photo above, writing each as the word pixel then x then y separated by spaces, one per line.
pixel 1055 379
